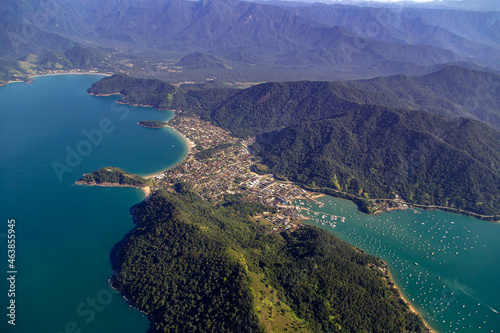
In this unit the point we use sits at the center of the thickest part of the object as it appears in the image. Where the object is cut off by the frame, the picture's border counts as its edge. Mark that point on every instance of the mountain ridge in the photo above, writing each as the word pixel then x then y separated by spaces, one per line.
pixel 452 90
pixel 256 41
pixel 365 143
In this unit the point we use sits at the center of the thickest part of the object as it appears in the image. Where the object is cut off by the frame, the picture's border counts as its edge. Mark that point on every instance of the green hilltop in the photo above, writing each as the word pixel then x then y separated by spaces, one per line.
pixel 423 158
pixel 452 90
pixel 195 266
pixel 113 175
pixel 152 123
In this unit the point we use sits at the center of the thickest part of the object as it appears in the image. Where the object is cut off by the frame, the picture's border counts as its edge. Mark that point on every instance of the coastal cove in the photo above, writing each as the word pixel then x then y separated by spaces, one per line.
pixel 65 233
pixel 443 263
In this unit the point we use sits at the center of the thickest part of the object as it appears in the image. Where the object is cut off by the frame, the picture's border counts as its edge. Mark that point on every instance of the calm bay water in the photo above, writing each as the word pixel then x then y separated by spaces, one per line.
pixel 447 265
pixel 64 232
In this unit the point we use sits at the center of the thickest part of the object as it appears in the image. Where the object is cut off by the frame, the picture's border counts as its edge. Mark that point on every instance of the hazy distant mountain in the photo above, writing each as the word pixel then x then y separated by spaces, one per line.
pixel 20 36
pixel 467 5
pixel 474 35
pixel 288 40
pixel 200 60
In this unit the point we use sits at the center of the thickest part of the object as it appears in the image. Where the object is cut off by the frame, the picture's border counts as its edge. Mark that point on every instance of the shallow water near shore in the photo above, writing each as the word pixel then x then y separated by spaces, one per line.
pixel 446 265
pixel 65 233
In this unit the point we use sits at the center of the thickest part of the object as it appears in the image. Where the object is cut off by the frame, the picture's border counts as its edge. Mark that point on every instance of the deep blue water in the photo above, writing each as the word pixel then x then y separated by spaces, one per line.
pixel 65 232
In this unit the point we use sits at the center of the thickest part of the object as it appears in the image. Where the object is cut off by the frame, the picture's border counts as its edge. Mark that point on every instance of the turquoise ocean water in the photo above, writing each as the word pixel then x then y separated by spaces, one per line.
pixel 64 232
pixel 447 265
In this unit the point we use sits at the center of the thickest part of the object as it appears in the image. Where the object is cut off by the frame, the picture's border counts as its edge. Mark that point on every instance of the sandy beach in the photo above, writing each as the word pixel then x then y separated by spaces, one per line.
pixel 412 309
pixel 71 73
pixel 64 73
pixel 6 83
pixel 146 190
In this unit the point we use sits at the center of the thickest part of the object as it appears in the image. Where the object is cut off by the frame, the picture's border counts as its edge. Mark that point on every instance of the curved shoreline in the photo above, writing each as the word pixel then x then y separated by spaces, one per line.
pixel 353 198
pixel 390 277
pixel 189 145
pixel 70 73
pixel 6 83
pixel 31 77
pixel 410 306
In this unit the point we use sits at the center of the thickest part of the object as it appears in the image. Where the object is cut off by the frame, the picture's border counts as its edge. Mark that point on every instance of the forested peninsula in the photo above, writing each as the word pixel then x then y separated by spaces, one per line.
pixel 112 176
pixel 152 123
pixel 195 266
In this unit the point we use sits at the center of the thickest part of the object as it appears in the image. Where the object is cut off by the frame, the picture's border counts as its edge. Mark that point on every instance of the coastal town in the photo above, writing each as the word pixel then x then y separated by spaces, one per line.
pixel 218 165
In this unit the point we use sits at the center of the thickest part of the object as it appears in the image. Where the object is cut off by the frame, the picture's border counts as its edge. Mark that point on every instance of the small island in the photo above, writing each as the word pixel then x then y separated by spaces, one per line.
pixel 152 123
pixel 114 177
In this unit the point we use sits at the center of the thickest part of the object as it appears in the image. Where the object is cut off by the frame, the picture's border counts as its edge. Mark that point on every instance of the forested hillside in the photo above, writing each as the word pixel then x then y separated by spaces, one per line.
pixel 11 70
pixel 76 58
pixel 453 90
pixel 377 153
pixel 198 267
pixel 372 144
pixel 112 175
pixel 159 94
pixel 270 106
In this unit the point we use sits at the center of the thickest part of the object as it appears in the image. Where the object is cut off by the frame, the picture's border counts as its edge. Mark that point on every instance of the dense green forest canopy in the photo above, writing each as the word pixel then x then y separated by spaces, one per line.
pixel 195 266
pixel 311 134
pixel 153 123
pixel 162 95
pixel 113 175
pixel 452 90
pixel 270 106
pixel 424 158
pixel 355 137
pixel 155 93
